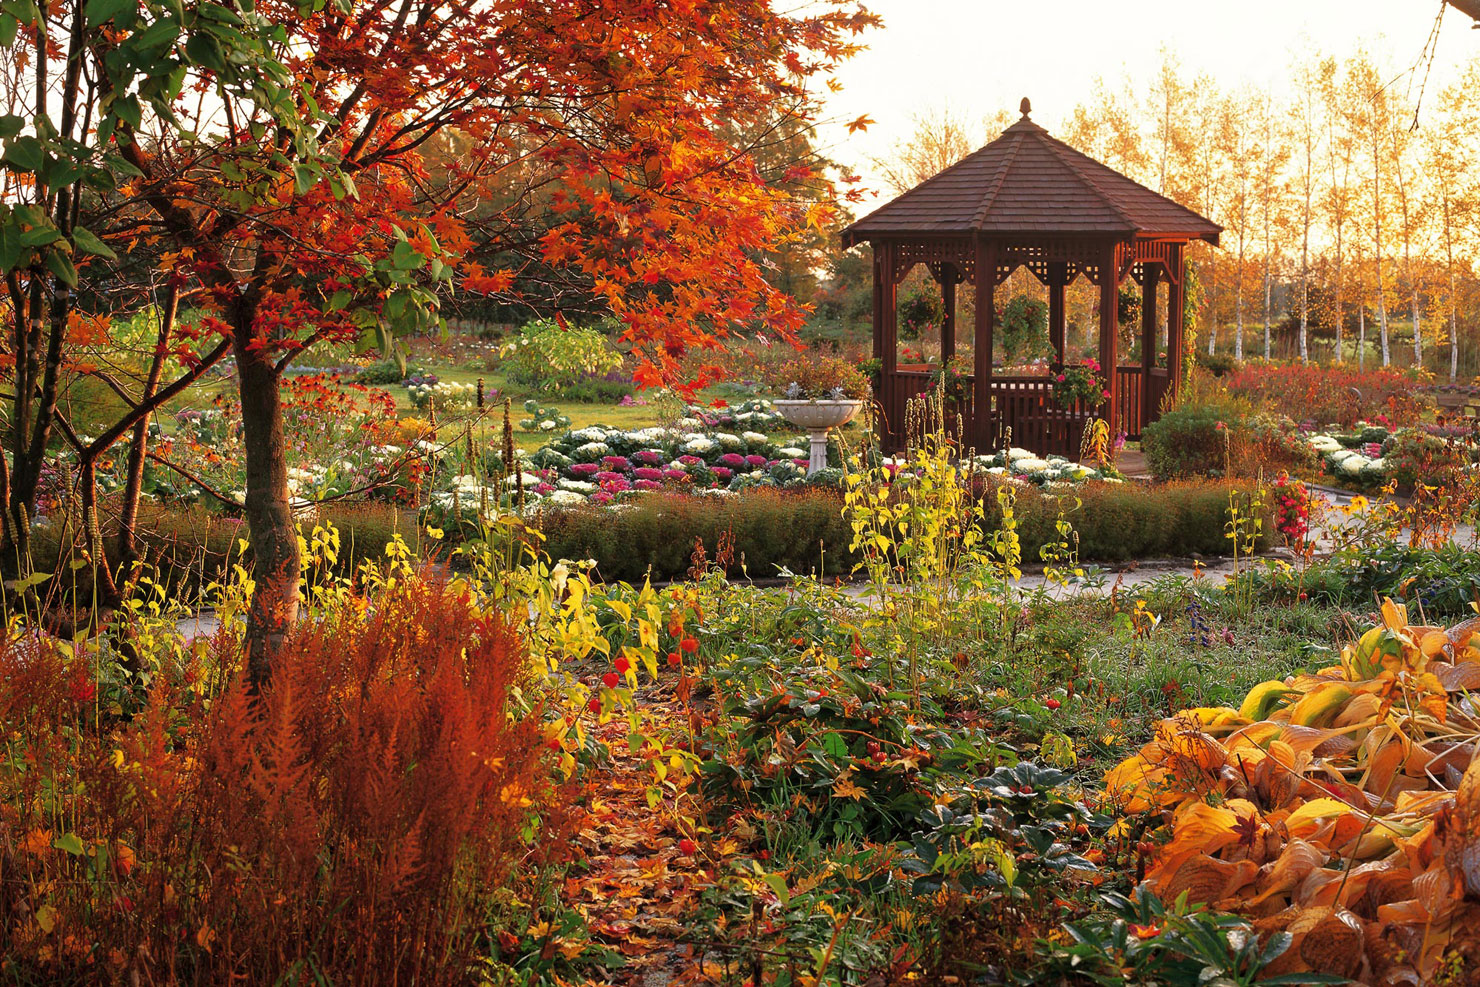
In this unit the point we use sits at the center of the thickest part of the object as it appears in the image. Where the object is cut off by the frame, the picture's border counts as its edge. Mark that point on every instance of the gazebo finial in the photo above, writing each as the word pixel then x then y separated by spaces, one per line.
pixel 1026 107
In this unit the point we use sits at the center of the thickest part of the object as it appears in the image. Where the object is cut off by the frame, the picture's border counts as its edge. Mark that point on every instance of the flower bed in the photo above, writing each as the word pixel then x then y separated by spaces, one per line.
pixel 1044 471
pixel 1371 455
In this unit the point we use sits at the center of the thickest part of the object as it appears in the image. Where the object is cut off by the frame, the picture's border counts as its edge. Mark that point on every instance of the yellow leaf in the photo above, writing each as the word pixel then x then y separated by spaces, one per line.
pixel 46 917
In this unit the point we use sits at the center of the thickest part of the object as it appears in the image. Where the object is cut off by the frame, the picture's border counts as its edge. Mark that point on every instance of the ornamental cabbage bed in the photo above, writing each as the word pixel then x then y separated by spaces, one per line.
pixel 1044 471
pixel 1372 455
pixel 605 466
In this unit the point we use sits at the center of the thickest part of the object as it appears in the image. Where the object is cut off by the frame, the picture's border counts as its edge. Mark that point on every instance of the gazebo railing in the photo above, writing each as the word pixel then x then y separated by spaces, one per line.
pixel 1023 410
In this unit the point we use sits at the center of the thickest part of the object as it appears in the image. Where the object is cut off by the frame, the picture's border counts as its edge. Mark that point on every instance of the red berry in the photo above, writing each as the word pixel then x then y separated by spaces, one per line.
pixel 610 680
pixel 879 757
pixel 872 746
pixel 764 854
pixel 594 705
pixel 674 659
pixel 689 644
pixel 688 847
pixel 1052 703
pixel 622 664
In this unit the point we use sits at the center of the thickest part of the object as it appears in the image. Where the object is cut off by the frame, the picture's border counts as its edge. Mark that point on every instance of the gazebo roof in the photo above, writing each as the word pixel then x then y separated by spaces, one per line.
pixel 1030 184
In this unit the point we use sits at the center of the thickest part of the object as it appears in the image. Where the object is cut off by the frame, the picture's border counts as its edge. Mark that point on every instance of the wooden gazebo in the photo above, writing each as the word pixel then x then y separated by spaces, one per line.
pixel 1028 200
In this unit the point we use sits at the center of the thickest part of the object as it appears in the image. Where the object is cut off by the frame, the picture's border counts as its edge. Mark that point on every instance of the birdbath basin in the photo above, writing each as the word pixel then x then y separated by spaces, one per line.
pixel 817 417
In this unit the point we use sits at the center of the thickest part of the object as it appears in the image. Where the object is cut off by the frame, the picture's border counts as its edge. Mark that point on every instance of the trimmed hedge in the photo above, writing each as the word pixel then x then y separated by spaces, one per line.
pixel 1118 522
pixel 802 530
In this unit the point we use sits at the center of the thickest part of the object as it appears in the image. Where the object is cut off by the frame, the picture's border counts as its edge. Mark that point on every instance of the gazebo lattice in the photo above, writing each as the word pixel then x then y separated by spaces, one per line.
pixel 1029 200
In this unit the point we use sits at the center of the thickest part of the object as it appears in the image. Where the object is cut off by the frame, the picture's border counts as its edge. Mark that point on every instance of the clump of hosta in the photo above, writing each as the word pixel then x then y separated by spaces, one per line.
pixel 443 394
pixel 542 419
pixel 1339 807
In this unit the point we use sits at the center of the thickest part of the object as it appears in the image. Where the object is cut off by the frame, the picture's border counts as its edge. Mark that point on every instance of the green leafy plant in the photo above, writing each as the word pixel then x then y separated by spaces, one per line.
pixel 548 355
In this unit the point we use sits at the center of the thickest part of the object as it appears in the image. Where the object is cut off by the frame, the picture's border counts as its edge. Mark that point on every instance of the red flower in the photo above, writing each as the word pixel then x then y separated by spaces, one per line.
pixel 622 664
pixel 594 705
pixel 689 644
pixel 688 847
pixel 1052 703
pixel 674 659
pixel 610 680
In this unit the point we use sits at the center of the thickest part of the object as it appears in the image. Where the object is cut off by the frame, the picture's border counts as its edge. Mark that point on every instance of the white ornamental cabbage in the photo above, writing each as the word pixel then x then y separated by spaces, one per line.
pixel 591 452
pixel 700 445
pixel 1324 444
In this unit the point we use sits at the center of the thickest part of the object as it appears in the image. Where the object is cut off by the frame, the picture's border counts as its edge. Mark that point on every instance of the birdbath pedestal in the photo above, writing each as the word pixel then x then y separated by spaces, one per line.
pixel 817 417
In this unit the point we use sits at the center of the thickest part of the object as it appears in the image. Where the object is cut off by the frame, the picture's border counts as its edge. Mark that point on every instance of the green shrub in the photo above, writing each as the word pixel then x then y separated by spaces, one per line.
pixel 385 372
pixel 1186 442
pixel 546 356
pixel 1217 364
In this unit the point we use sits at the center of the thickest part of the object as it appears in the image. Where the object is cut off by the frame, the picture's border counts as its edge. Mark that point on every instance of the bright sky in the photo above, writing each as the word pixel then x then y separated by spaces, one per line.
pixel 977 56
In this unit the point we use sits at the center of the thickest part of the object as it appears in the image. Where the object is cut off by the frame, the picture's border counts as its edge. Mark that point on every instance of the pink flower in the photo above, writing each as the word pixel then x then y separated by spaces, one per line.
pixel 1105 394
pixel 733 460
pixel 647 473
pixel 722 474
pixel 1060 378
pixel 648 485
pixel 585 469
pixel 677 476
pixel 755 461
pixel 617 464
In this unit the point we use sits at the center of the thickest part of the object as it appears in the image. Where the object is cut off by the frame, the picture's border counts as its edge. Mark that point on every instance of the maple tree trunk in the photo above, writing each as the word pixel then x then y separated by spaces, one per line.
pixel 270 529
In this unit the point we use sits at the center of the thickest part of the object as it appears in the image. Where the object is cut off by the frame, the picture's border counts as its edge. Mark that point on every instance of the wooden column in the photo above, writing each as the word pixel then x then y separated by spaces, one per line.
pixel 1058 278
pixel 983 419
pixel 1150 275
pixel 1176 330
pixel 948 278
pixel 886 308
pixel 879 250
pixel 1109 331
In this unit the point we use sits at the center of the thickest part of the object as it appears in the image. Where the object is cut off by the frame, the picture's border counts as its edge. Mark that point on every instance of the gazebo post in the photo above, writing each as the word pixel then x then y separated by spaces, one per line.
pixel 983 421
pixel 1058 277
pixel 948 299
pixel 1176 311
pixel 1109 302
pixel 1150 275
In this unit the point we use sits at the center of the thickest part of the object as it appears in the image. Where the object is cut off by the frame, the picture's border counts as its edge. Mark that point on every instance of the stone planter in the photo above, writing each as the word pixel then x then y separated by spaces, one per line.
pixel 817 417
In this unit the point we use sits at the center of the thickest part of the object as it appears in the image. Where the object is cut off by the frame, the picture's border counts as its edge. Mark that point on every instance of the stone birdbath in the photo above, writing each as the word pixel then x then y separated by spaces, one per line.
pixel 817 417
